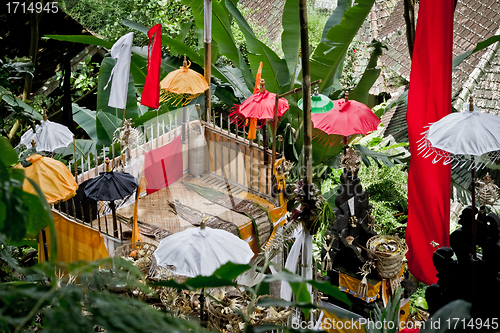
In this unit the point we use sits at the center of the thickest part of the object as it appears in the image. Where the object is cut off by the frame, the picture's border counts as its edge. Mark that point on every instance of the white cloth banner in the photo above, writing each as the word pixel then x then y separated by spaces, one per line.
pixel 292 261
pixel 121 71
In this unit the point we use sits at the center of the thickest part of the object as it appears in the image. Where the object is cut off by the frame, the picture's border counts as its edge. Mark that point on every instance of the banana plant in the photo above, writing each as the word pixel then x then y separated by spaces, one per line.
pixel 280 74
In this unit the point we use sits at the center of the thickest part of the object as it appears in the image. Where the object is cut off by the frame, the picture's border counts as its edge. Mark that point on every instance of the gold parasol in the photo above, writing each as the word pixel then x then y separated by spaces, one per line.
pixel 182 85
pixel 53 177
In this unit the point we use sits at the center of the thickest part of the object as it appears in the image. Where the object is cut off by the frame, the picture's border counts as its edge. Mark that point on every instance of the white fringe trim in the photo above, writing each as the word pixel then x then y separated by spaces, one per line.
pixel 426 149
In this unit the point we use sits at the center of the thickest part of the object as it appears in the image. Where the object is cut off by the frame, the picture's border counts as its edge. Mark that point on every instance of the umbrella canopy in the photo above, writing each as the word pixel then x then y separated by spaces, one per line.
pixel 182 85
pixel 346 118
pixel 48 136
pixel 261 106
pixel 200 251
pixel 111 186
pixel 459 135
pixel 319 102
pixel 53 177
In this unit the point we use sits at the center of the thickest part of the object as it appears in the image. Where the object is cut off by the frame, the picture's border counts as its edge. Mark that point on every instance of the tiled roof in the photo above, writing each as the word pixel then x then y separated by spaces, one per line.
pixel 475 20
pixel 266 13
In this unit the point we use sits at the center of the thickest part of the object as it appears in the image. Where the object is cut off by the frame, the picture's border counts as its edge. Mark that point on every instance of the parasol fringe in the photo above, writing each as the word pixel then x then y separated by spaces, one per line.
pixel 426 149
pixel 236 117
pixel 240 120
pixel 177 99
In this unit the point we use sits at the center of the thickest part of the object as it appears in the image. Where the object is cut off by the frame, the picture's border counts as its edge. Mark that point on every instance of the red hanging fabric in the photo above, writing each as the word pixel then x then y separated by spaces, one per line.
pixel 429 100
pixel 151 93
pixel 163 166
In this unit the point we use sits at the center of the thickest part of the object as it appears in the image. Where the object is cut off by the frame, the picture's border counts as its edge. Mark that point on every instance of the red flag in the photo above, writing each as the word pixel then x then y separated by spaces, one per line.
pixel 151 92
pixel 429 100
pixel 163 166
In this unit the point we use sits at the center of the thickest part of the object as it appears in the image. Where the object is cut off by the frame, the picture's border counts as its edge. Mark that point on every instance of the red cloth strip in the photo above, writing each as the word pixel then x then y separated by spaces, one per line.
pixel 151 92
pixel 163 166
pixel 429 100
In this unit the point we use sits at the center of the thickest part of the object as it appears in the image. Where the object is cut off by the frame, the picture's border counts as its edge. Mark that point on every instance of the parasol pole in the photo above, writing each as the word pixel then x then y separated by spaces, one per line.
pixel 473 194
pixel 207 9
pixel 345 138
pixel 202 293
pixel 44 236
pixel 275 120
pixel 306 84
pixel 112 204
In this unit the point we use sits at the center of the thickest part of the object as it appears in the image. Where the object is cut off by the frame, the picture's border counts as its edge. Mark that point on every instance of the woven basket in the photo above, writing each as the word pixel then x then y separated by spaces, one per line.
pixel 140 251
pixel 388 252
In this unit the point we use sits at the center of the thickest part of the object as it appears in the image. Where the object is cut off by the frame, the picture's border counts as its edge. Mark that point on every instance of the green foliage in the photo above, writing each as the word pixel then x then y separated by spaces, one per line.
pixel 84 78
pixel 12 108
pixel 329 54
pixel 417 299
pixel 105 17
pixel 63 305
pixel 13 71
pixel 21 213
pixel 388 191
pixel 348 79
pixel 389 315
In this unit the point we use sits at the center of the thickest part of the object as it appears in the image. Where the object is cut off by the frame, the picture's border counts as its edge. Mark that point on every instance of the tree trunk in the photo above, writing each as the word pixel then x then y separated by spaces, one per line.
pixel 28 81
pixel 409 15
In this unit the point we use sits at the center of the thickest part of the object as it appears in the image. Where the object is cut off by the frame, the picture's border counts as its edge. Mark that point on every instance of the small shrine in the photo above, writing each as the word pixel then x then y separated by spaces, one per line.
pixel 366 266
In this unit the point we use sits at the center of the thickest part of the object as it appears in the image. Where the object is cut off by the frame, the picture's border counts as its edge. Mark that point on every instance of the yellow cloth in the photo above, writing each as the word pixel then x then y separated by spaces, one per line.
pixel 75 241
pixel 136 235
pixel 278 217
pixel 252 129
pixel 54 178
pixel 280 180
pixel 350 285
pixel 256 89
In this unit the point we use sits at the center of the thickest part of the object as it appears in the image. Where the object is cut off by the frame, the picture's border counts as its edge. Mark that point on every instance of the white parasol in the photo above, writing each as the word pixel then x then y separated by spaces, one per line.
pixel 466 137
pixel 48 136
pixel 458 136
pixel 200 251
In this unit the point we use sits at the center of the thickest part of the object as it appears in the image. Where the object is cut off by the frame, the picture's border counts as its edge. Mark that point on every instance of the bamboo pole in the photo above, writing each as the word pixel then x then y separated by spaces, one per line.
pixel 208 54
pixel 275 120
pixel 306 84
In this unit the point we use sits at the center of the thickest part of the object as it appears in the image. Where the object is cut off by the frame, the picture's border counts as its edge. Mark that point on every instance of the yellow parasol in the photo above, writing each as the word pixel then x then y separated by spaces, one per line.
pixel 182 85
pixel 53 177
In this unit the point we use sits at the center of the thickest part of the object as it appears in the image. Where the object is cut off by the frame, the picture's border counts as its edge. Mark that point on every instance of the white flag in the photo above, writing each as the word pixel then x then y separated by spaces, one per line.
pixel 121 71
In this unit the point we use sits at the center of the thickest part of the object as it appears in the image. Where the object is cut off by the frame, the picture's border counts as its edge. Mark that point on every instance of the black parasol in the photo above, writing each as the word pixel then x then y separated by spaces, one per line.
pixel 111 186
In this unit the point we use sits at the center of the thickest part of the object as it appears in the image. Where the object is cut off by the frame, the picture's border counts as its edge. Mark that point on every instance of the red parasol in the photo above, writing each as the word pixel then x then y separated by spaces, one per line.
pixel 346 118
pixel 259 106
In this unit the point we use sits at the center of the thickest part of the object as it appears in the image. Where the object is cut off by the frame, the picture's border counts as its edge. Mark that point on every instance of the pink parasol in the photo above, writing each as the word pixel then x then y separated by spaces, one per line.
pixel 346 118
pixel 259 106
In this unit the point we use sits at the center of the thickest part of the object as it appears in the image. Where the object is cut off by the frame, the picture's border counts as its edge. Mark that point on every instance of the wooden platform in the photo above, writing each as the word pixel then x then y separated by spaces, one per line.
pixel 154 208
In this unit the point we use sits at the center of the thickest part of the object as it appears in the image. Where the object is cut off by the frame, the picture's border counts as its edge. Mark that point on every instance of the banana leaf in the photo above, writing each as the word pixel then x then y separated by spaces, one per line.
pixel 275 71
pixel 481 45
pixel 91 40
pixel 361 92
pixel 222 34
pixel 86 119
pixel 290 40
pixel 131 110
pixel 106 124
pixel 9 98
pixel 329 53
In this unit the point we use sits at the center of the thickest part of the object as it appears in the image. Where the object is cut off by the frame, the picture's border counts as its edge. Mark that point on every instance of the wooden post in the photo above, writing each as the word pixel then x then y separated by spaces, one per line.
pixel 306 85
pixel 208 54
